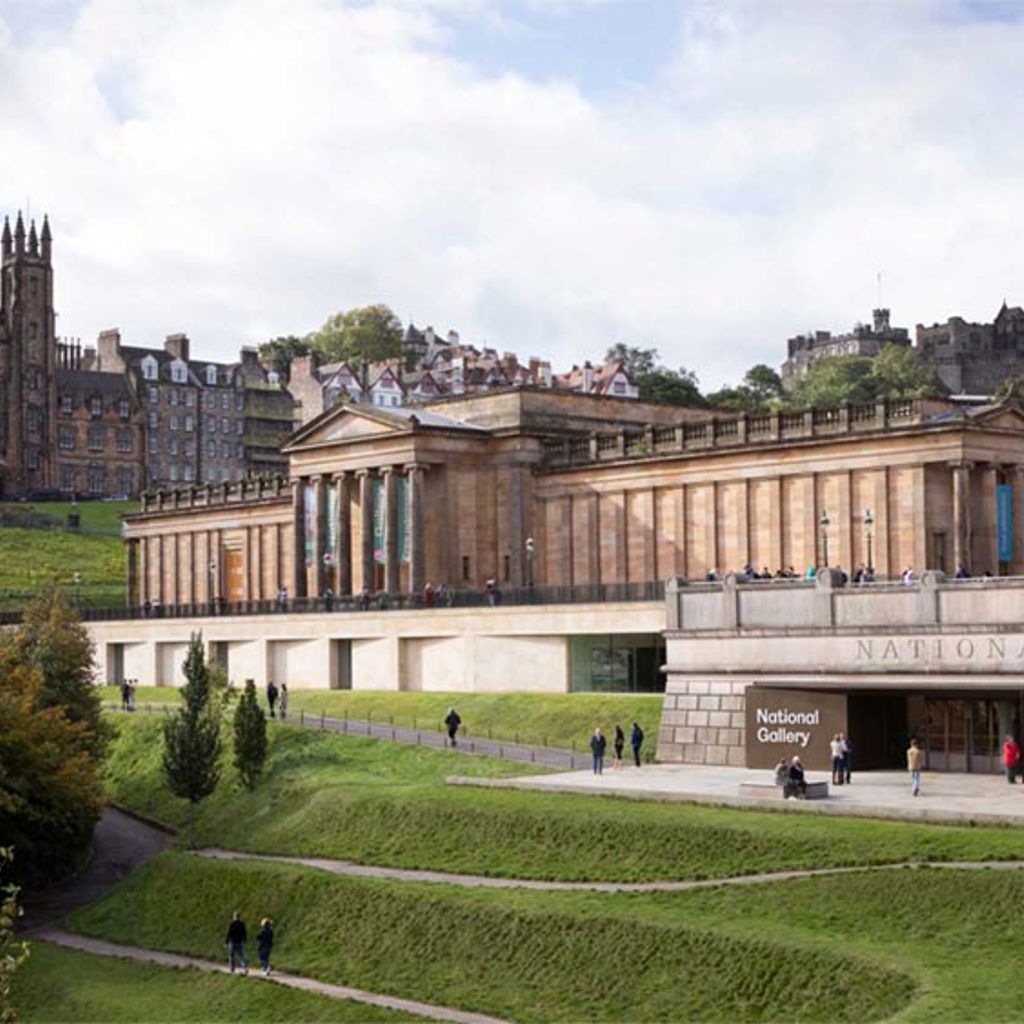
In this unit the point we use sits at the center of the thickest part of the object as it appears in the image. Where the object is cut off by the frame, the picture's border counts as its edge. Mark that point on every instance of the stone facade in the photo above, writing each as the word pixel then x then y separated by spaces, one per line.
pixel 702 722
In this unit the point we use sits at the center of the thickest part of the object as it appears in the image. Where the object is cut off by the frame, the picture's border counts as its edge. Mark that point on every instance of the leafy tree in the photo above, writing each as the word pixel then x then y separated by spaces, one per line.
pixel 280 352
pixel 53 641
pixel 761 388
pixel 49 787
pixel 638 361
pixel 1012 389
pixel 366 333
pixel 250 737
pixel 191 759
pixel 12 953
pixel 677 387
pixel 834 381
pixel 900 372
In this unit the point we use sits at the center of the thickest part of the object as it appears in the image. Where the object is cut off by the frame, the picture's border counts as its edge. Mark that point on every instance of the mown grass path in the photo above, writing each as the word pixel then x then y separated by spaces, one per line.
pixel 353 870
pixel 137 954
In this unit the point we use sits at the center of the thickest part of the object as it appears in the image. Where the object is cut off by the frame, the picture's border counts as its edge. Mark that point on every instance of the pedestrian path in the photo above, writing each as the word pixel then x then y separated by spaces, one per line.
pixel 349 868
pixel 99 947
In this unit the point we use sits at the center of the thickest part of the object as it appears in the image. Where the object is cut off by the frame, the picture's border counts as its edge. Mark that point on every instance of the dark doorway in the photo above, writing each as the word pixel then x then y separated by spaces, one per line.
pixel 877 730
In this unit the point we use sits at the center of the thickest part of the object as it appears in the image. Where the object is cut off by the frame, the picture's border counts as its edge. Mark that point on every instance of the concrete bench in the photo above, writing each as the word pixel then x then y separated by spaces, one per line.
pixel 769 791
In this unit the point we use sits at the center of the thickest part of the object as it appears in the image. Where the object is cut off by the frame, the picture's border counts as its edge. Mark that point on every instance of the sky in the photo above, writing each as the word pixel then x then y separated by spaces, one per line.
pixel 547 177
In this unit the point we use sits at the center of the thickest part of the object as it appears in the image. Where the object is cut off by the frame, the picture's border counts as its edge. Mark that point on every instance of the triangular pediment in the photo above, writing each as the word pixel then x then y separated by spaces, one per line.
pixel 1005 416
pixel 347 423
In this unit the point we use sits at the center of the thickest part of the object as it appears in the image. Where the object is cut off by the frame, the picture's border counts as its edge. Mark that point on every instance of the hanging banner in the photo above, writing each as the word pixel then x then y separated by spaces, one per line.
pixel 1004 521
pixel 402 506
pixel 309 520
pixel 331 548
pixel 377 504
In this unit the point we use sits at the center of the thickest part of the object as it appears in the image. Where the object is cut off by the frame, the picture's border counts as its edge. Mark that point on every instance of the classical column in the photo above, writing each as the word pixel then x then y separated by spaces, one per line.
pixel 343 526
pixel 319 534
pixel 133 572
pixel 298 538
pixel 390 530
pixel 417 560
pixel 516 526
pixel 985 545
pixel 366 533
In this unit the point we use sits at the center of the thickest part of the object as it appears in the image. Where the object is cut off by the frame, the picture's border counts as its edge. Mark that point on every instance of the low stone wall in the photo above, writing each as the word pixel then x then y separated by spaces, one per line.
pixel 703 722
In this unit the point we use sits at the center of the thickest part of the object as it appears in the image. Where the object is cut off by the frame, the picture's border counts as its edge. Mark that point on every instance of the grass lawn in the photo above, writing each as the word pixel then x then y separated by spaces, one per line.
pixel 525 956
pixel 549 720
pixel 66 985
pixel 386 803
pixel 94 516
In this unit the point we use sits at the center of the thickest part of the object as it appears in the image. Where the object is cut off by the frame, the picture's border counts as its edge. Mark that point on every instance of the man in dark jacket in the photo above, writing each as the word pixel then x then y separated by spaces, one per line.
pixel 236 942
pixel 452 722
pixel 271 696
pixel 636 739
pixel 598 743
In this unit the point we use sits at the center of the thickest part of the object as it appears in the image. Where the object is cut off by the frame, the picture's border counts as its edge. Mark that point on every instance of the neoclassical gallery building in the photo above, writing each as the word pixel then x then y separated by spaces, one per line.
pixel 575 509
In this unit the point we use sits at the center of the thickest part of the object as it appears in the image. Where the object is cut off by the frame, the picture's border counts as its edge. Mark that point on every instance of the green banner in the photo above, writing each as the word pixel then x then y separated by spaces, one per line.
pixel 309 521
pixel 377 504
pixel 380 519
pixel 402 504
pixel 331 548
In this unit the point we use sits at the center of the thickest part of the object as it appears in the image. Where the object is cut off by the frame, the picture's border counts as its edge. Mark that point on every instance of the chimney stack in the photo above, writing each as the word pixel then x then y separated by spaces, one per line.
pixel 177 345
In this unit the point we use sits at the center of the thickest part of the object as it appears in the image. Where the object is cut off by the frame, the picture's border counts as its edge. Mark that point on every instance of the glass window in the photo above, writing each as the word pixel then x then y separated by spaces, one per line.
pixel 240 427
pixel 617 663
pixel 67 404
pixel 239 401
pixel 189 424
pixel 211 448
pixel 174 422
pixel 154 420
pixel 225 401
pixel 125 482
pixel 67 477
pixel 124 443
pixel 211 375
pixel 190 473
pixel 32 419
pixel 124 410
pixel 190 398
pixel 66 438
pixel 96 406
pixel 154 445
pixel 225 425
pixel 96 438
pixel 154 394
pixel 172 446
pixel 97 480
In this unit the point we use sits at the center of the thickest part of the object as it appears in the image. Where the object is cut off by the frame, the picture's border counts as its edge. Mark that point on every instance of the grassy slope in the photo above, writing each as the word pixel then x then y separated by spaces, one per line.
pixel 556 720
pixel 532 958
pixel 379 802
pixel 65 985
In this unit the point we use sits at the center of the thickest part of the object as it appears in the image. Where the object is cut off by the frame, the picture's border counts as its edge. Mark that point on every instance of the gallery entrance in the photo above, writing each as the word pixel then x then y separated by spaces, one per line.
pixel 965 733
pixel 878 729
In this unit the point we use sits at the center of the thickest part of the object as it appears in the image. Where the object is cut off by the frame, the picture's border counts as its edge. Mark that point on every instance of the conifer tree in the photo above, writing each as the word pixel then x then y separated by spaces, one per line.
pixel 250 737
pixel 192 736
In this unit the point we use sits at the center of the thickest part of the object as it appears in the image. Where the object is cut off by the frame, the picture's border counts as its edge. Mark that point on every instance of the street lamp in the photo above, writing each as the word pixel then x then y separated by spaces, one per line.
pixel 77 578
pixel 823 523
pixel 529 561
pixel 212 567
pixel 869 523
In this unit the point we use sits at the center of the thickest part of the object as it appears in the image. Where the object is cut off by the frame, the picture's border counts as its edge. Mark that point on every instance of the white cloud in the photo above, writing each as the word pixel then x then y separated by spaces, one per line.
pixel 242 168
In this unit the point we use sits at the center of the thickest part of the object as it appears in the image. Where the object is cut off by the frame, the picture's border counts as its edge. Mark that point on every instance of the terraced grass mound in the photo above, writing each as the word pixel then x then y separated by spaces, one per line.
pixel 386 803
pixel 60 985
pixel 527 959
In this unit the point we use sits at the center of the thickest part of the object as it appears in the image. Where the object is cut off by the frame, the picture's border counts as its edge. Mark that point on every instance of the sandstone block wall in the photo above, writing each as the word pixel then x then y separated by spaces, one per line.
pixel 703 722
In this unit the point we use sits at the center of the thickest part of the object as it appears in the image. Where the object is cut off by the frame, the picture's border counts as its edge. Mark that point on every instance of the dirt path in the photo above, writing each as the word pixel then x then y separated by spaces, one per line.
pixel 344 867
pixel 101 948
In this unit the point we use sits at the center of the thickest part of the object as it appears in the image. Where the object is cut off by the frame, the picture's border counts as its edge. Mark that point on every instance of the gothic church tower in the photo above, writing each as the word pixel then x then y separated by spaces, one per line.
pixel 27 361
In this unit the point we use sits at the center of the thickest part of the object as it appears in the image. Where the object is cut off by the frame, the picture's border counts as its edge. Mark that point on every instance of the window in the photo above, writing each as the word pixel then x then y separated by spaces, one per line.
pixel 96 438
pixel 97 480
pixel 32 379
pixel 124 444
pixel 172 446
pixel 95 407
pixel 211 474
pixel 190 473
pixel 32 419
pixel 154 394
pixel 211 375
pixel 240 451
pixel 225 425
pixel 190 398
pixel 619 387
pixel 225 401
pixel 174 422
pixel 174 472
pixel 67 477
pixel 190 448
pixel 32 458
pixel 149 368
pixel 190 424
pixel 172 396
pixel 67 404
pixel 239 401
pixel 154 420
pixel 66 438
pixel 240 427
pixel 209 400
pixel 125 482
pixel 211 448
pixel 124 410
pixel 225 450
pixel 154 445
pixel 178 372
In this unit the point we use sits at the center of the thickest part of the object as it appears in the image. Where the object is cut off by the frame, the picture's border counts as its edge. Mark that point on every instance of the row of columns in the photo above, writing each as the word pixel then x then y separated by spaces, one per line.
pixel 966 544
pixel 338 575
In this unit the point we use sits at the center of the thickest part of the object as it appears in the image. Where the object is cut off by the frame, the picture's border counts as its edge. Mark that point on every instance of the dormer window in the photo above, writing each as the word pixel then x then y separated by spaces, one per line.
pixel 179 372
pixel 273 379
pixel 149 368
pixel 211 376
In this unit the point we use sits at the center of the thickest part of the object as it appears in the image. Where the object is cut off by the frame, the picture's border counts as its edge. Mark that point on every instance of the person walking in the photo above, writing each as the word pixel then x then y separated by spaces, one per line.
pixel 265 943
pixel 452 722
pixel 915 757
pixel 636 740
pixel 598 743
pixel 847 757
pixel 236 943
pixel 125 694
pixel 282 701
pixel 271 696
pixel 1011 759
pixel 617 745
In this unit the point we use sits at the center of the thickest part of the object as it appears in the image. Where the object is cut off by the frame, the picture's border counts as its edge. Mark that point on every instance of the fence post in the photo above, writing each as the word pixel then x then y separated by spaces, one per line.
pixel 321 721
pixel 302 716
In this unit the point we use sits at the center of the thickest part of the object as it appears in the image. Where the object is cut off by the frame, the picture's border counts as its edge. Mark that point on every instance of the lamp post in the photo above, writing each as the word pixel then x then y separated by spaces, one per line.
pixel 328 578
pixel 77 578
pixel 529 562
pixel 212 590
pixel 869 526
pixel 823 523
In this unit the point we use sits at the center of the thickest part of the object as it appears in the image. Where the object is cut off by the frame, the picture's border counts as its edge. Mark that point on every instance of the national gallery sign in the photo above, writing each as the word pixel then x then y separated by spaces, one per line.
pixel 1002 650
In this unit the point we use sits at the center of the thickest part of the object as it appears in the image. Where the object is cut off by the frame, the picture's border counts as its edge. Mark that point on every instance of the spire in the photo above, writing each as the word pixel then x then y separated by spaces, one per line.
pixel 5 239
pixel 46 238
pixel 19 235
pixel 33 240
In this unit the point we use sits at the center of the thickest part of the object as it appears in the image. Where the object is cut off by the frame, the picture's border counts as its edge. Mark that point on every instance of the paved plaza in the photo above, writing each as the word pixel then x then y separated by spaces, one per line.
pixel 945 796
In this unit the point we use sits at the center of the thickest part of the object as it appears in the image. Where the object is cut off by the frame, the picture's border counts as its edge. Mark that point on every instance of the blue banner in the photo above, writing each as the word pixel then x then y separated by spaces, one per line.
pixel 1004 521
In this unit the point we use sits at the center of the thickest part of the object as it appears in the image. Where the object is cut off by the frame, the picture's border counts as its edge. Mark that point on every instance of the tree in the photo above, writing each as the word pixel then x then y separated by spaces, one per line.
pixel 12 953
pixel 1012 389
pixel 191 759
pixel 900 372
pixel 363 334
pixel 638 361
pixel 50 794
pixel 250 737
pixel 53 641
pixel 279 353
pixel 676 387
pixel 834 381
pixel 761 388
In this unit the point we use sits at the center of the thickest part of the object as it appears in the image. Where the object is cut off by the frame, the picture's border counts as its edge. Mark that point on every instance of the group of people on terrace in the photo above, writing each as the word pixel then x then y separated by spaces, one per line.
pixel 599 746
pixel 862 574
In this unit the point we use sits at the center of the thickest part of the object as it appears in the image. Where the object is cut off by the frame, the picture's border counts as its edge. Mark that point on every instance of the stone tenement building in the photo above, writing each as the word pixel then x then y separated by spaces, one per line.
pixel 975 359
pixel 864 340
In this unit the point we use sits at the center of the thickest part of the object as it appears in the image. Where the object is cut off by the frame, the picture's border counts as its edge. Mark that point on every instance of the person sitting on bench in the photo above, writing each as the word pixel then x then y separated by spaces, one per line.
pixel 781 776
pixel 796 786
